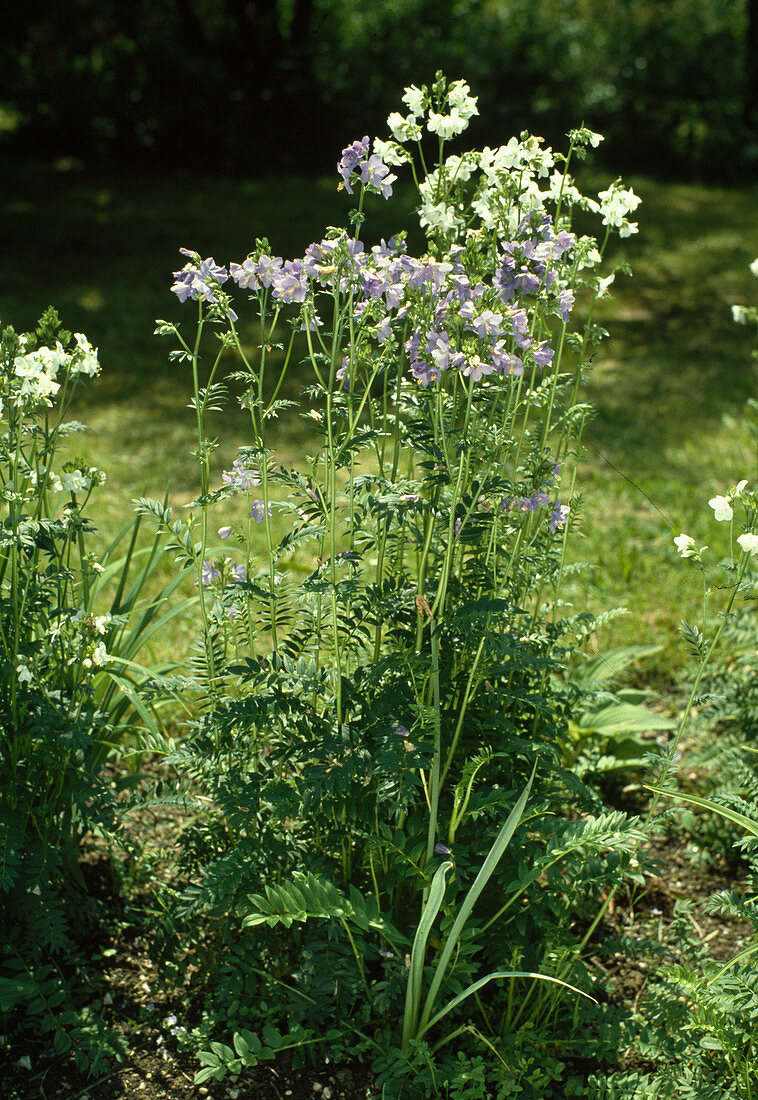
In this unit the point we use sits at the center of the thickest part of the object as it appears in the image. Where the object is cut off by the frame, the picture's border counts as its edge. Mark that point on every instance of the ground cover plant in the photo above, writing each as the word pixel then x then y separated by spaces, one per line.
pixel 397 817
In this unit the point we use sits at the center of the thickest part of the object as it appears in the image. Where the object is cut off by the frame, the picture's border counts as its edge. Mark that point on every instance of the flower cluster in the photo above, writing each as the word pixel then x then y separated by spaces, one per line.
pixel 39 373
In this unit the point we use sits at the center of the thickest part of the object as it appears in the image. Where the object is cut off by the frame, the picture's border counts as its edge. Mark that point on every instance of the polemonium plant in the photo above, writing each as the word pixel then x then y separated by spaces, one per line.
pixel 378 676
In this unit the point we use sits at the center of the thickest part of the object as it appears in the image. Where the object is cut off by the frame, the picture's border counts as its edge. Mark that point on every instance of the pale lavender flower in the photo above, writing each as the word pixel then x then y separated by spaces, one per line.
pixel 376 174
pixel 258 511
pixel 424 373
pixel 224 532
pixel 539 500
pixel 475 367
pixel 245 274
pixel 402 731
pixel 268 268
pixel 505 361
pixel 237 571
pixel 441 849
pixel 198 281
pixel 241 477
pixel 543 354
pixel 343 374
pixel 351 157
pixel 520 326
pixel 565 302
pixel 291 283
pixel 526 504
pixel 487 323
pixel 209 573
pixel 558 516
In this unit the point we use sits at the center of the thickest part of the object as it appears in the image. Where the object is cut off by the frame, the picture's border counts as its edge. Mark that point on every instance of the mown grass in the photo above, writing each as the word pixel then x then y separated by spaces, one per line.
pixel 668 386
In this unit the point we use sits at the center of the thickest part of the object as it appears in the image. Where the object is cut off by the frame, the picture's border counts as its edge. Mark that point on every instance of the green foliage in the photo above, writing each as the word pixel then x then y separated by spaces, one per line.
pixel 386 831
pixel 71 625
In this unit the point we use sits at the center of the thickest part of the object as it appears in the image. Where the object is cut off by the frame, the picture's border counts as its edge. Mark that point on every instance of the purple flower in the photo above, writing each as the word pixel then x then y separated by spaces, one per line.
pixel 376 174
pixel 245 274
pixel 565 303
pixel 506 362
pixel 200 280
pixel 401 731
pixel 268 269
pixel 539 500
pixel 526 504
pixel 343 374
pixel 208 573
pixel 224 532
pixel 384 330
pixel 441 849
pixel 543 354
pixel 291 283
pixel 258 511
pixel 558 516
pixel 424 373
pixel 520 326
pixel 475 368
pixel 385 954
pixel 562 242
pixel 241 477
pixel 487 323
pixel 351 157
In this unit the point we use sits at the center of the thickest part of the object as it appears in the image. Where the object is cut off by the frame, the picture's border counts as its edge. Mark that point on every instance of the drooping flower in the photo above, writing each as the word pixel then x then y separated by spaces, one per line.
pixel 722 509
pixel 685 545
pixel 351 156
pixel 258 511
pixel 558 516
pixel 241 477
pixel 748 543
pixel 208 573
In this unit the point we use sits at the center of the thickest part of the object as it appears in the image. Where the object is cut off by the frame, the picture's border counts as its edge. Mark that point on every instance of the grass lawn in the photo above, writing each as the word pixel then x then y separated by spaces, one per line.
pixel 668 386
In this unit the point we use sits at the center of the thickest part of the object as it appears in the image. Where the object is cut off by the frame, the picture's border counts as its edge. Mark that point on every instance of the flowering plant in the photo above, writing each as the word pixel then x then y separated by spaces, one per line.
pixel 387 709
pixel 67 671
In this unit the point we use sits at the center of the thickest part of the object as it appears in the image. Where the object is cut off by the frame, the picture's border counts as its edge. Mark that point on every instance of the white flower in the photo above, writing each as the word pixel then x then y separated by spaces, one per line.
pixel 739 314
pixel 414 101
pixel 99 655
pixel 604 284
pixel 24 675
pixel 754 267
pixel 722 509
pixel 615 203
pixel 685 544
pixel 102 622
pixel 748 544
pixel 459 97
pixel 447 126
pixel 403 129
pixel 84 361
pixel 738 489
pixel 391 153
pixel 74 481
pixel 25 1062
pixel 438 216
pixel 458 169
